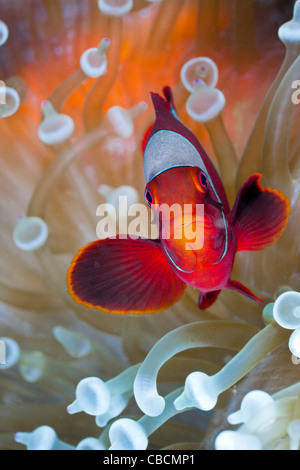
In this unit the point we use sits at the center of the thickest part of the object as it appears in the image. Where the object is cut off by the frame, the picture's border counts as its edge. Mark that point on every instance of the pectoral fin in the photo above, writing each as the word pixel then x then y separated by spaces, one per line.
pixel 259 215
pixel 124 276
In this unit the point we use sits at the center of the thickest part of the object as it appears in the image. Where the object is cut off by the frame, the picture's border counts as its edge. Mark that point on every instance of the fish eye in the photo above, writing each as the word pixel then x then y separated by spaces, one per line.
pixel 203 181
pixel 148 197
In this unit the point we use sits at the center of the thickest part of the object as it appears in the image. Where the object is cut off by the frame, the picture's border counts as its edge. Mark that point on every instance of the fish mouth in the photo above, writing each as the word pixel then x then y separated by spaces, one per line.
pixel 199 222
pixel 186 232
pixel 202 222
pixel 185 235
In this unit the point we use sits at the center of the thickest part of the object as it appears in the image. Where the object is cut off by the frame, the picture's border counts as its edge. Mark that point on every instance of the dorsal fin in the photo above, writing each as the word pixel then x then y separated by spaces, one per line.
pixel 162 107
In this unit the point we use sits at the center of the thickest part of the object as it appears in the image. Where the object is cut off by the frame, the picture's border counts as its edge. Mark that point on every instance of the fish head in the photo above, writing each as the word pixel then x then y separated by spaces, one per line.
pixel 189 221
pixel 179 174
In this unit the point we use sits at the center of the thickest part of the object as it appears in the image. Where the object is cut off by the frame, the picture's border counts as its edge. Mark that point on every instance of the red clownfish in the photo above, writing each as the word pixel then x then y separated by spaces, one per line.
pixel 146 276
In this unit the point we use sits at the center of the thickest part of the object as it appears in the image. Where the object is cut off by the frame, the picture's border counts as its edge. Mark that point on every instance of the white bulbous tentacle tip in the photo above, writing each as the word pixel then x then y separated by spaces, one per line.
pixel 4 32
pixel 55 128
pixel 42 438
pixel 202 68
pixel 294 343
pixel 146 396
pixel 9 101
pixel 32 366
pixel 74 343
pixel 105 190
pixel 205 103
pixel 113 195
pixel 120 120
pixel 93 62
pixel 9 353
pixel 200 391
pixel 235 440
pixel 250 405
pixel 286 310
pixel 290 32
pixel 92 396
pixel 127 434
pixel 30 233
pixel 115 7
pixel 90 443
pixel 124 194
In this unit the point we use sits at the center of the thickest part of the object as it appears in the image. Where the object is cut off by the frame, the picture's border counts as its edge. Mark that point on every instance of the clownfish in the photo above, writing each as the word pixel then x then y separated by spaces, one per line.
pixel 126 275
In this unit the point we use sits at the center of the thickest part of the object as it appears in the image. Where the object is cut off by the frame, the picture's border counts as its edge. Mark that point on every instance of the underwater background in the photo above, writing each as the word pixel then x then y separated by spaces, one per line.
pixel 73 377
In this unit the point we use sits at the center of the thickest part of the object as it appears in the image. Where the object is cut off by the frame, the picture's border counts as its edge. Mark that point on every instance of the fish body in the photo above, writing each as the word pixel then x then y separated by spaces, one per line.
pixel 199 244
pixel 198 232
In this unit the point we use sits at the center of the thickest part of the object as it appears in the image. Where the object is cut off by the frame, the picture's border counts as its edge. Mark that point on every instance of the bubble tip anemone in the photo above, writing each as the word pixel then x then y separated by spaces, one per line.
pixel 127 434
pixel 147 399
pixel 90 443
pixel 30 233
pixel 251 403
pixel 11 103
pixel 205 103
pixel 200 391
pixel 42 438
pixel 55 127
pixel 120 120
pixel 202 68
pixel 92 396
pixel 290 31
pixel 93 61
pixel 75 344
pixel 4 33
pixel 11 351
pixel 117 9
pixel 286 310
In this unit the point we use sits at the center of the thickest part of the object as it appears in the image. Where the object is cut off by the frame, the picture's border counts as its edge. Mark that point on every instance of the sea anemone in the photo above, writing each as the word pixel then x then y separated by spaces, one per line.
pixel 74 109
